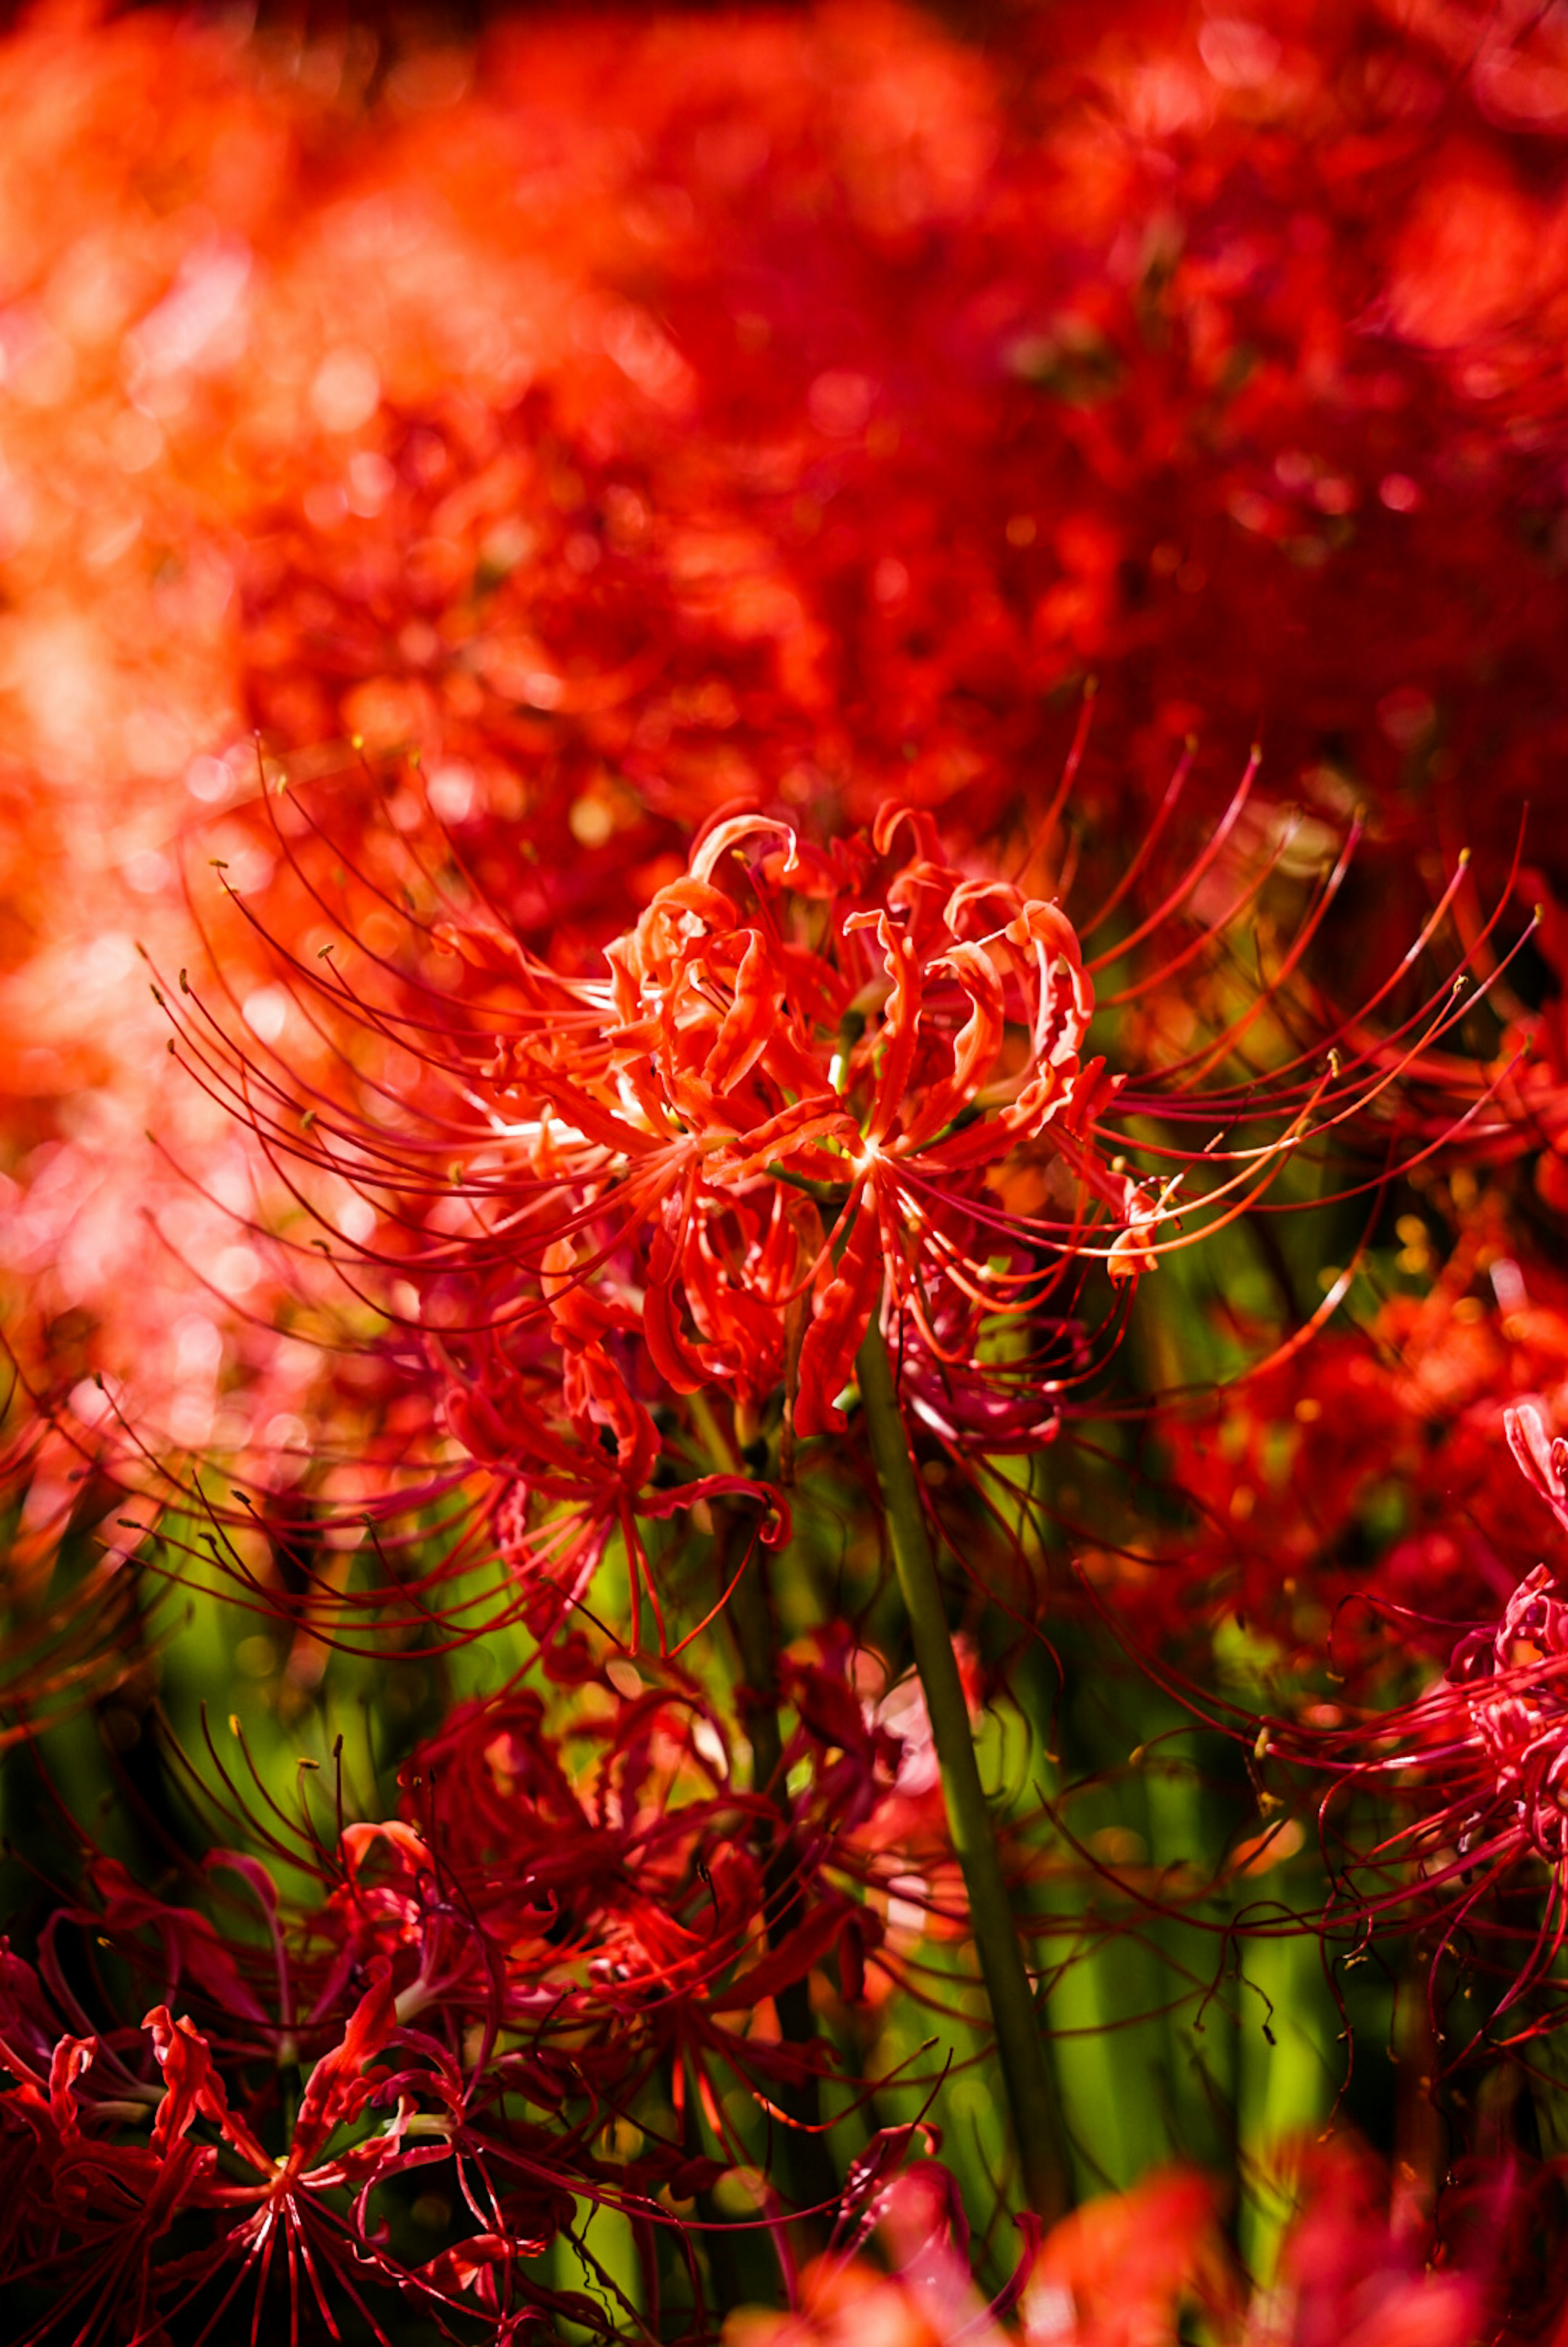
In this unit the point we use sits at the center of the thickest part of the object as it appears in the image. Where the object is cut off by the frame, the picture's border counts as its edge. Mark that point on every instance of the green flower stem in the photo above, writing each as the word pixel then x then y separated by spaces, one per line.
pixel 1288 2039
pixel 754 1627
pixel 808 2160
pixel 1026 2075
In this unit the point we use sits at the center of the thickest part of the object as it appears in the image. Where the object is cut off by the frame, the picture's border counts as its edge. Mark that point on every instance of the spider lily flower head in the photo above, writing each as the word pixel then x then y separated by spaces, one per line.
pixel 628 1900
pixel 929 2297
pixel 805 1064
pixel 1133 2269
pixel 638 1224
pixel 1280 1475
pixel 575 1939
pixel 287 2225
pixel 783 1110
pixel 1481 1758
pixel 1509 1681
pixel 1351 2271
pixel 533 1925
pixel 1123 2270
pixel 565 1948
pixel 872 1033
pixel 133 2131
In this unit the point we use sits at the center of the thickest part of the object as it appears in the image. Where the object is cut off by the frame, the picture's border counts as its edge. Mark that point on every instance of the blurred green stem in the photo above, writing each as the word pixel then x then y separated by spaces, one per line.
pixel 1026 2076
pixel 754 1627
pixel 1285 2086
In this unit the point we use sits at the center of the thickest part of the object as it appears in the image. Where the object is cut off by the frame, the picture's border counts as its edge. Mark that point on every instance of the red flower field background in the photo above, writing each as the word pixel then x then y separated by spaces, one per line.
pixel 784 1174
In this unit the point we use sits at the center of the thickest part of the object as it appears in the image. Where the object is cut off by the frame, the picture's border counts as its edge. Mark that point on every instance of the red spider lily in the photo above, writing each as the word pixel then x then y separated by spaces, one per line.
pixel 632 1902
pixel 816 1086
pixel 650 1150
pixel 1481 1758
pixel 96 2226
pixel 1350 2270
pixel 1132 2269
pixel 928 2299
pixel 876 1069
pixel 1344 1501
pixel 595 1946
pixel 236 2198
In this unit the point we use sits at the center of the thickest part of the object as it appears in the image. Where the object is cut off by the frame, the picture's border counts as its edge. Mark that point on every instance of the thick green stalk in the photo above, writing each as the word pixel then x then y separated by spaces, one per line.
pixel 1025 2073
